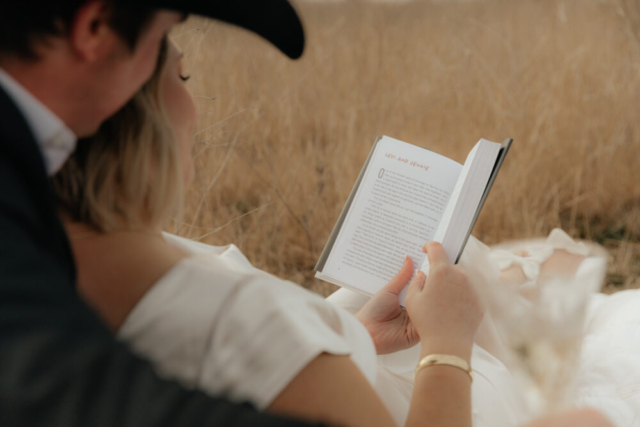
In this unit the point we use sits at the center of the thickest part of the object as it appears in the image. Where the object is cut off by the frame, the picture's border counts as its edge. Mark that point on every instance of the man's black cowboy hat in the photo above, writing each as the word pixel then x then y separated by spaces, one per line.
pixel 275 20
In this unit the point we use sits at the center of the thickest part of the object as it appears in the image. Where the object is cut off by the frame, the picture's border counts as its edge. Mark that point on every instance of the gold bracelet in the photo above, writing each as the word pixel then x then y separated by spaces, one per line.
pixel 444 359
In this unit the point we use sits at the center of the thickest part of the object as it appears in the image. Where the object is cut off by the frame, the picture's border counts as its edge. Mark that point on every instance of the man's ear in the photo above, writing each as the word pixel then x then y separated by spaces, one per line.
pixel 90 36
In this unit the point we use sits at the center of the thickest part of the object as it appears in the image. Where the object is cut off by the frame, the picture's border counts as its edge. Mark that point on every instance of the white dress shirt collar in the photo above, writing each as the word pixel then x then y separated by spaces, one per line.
pixel 55 139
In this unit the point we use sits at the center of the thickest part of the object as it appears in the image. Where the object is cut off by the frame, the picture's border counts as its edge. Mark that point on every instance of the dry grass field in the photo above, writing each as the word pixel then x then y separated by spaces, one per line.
pixel 280 143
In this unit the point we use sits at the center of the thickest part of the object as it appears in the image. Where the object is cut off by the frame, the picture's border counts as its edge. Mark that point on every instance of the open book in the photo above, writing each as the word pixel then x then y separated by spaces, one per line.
pixel 405 197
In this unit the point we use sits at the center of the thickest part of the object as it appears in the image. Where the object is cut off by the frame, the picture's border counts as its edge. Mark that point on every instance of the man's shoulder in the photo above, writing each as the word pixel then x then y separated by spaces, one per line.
pixel 12 123
pixel 27 203
pixel 17 168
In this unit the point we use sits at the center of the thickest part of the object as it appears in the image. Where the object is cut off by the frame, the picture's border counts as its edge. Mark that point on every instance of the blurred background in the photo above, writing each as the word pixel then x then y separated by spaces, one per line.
pixel 280 143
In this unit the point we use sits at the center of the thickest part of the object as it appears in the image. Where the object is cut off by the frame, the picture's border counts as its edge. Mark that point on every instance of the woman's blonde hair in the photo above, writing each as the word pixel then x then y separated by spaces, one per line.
pixel 128 175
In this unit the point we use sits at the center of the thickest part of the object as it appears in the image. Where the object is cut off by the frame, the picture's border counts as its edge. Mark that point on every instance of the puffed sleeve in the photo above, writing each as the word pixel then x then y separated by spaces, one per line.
pixel 221 325
pixel 269 330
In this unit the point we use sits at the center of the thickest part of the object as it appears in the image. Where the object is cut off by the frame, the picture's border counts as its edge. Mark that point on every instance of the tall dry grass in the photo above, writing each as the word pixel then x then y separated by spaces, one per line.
pixel 280 143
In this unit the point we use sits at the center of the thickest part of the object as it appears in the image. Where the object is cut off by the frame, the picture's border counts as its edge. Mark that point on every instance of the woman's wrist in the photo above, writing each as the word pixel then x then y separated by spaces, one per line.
pixel 431 346
pixel 444 372
pixel 446 360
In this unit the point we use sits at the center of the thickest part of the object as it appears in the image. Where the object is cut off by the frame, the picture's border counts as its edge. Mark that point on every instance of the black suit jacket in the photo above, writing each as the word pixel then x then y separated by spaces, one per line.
pixel 59 365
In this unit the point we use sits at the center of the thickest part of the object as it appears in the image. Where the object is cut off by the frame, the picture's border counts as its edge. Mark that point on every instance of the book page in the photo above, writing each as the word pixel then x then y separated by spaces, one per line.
pixel 458 218
pixel 396 210
pixel 443 226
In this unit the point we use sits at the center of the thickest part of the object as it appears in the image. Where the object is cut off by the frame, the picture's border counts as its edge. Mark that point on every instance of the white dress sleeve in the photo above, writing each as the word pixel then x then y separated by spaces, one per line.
pixel 225 327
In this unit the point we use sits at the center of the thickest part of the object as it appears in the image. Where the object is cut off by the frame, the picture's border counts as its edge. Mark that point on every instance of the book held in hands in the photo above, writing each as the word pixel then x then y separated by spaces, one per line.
pixel 404 197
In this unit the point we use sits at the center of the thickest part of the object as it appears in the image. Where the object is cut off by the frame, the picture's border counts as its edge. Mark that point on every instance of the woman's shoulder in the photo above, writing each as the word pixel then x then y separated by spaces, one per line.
pixel 206 282
pixel 191 246
pixel 219 282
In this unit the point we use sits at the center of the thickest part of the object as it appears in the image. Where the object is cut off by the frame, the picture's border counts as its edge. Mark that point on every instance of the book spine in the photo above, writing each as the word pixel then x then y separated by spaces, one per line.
pixel 343 215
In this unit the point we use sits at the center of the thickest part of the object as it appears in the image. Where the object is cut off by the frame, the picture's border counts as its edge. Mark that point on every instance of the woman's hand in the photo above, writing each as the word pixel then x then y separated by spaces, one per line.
pixel 445 309
pixel 387 322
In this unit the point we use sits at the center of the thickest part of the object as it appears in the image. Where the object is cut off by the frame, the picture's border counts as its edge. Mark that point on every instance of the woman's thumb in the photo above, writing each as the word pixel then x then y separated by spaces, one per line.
pixel 436 254
pixel 400 280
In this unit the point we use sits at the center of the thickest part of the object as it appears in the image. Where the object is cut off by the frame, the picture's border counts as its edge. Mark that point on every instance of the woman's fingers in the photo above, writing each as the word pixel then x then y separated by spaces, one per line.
pixel 400 280
pixel 445 308
pixel 437 255
pixel 416 284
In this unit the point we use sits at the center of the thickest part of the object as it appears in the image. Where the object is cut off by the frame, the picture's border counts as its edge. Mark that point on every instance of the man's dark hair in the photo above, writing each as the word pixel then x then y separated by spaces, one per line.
pixel 26 22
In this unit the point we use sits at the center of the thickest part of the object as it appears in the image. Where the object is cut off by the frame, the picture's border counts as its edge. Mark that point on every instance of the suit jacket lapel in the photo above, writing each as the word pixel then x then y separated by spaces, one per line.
pixel 17 144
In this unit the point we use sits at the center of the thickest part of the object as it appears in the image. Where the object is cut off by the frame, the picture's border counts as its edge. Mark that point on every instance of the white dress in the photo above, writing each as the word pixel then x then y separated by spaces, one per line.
pixel 217 323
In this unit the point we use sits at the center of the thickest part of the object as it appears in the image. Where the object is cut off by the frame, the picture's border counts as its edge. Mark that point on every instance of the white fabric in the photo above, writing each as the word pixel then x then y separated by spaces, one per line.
pixel 55 139
pixel 536 254
pixel 609 370
pixel 219 324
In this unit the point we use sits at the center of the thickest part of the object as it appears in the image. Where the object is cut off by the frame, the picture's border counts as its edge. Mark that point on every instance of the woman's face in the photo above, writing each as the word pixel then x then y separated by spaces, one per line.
pixel 180 108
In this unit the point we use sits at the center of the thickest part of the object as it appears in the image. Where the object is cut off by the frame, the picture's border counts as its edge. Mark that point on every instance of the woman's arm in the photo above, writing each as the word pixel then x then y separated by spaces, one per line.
pixel 446 314
pixel 441 398
pixel 332 389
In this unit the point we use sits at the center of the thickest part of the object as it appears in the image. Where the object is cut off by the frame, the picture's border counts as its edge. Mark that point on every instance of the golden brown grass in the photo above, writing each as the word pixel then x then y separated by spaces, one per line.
pixel 280 143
